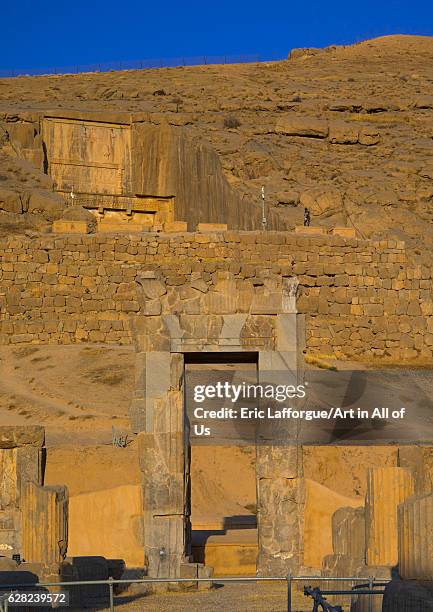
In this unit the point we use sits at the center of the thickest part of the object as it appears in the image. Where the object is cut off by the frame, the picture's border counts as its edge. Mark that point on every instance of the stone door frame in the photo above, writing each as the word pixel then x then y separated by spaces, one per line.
pixel 158 411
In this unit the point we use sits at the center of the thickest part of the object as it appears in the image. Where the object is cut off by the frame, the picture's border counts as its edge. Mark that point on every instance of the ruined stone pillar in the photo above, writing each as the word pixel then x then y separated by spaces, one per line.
pixel 45 524
pixel 280 491
pixel 386 488
pixel 20 462
pixel 164 462
pixel 348 532
pixel 415 538
pixel 279 509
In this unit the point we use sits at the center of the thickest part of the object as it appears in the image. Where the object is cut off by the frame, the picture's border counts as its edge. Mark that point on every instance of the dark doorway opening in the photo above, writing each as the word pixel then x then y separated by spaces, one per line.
pixel 222 473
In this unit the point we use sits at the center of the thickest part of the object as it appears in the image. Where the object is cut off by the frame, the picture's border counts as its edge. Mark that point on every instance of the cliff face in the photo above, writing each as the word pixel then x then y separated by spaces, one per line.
pixel 346 132
pixel 169 162
pixel 112 157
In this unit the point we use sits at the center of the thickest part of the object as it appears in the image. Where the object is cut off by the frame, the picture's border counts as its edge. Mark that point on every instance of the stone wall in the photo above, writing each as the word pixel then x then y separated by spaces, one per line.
pixel 361 298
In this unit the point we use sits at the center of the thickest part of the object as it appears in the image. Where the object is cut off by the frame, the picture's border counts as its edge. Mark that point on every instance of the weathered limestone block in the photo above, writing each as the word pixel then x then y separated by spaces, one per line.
pixel 45 523
pixel 279 512
pixel 162 460
pixel 266 302
pixel 114 227
pixel 343 132
pixel 386 488
pixel 196 570
pixel 302 126
pixel 279 462
pixel 340 565
pixel 412 457
pixel 318 519
pixel 369 135
pixel 166 515
pixel 165 545
pixel 415 538
pixel 63 226
pixel 18 466
pixel 222 301
pixel 156 372
pixel 75 569
pixel 348 532
pixel 175 226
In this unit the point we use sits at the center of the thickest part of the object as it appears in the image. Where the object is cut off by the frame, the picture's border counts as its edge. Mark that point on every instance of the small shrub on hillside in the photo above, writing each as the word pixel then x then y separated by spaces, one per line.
pixel 231 122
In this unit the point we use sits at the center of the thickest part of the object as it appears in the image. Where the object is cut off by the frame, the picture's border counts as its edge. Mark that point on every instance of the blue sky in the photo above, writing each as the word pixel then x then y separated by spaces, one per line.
pixel 46 33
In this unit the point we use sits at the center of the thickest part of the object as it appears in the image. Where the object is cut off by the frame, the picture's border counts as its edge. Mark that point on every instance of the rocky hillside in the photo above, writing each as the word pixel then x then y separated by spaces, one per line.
pixel 345 131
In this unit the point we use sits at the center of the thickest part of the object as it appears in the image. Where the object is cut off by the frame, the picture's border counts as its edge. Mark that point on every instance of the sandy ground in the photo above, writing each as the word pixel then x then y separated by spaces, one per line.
pixel 238 597
pixel 78 393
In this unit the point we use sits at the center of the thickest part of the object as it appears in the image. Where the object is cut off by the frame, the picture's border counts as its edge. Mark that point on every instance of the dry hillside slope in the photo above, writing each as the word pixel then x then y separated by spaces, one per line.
pixel 345 131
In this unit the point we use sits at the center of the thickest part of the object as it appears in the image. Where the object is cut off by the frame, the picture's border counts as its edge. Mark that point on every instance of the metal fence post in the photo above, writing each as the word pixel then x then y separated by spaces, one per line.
pixel 110 584
pixel 370 588
pixel 289 592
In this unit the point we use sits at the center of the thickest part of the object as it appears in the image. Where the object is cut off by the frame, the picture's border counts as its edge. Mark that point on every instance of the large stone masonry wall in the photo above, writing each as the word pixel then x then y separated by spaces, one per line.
pixel 361 298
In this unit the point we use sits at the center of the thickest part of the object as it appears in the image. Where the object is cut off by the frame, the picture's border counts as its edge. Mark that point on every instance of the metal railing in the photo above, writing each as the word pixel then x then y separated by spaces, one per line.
pixel 171 62
pixel 365 588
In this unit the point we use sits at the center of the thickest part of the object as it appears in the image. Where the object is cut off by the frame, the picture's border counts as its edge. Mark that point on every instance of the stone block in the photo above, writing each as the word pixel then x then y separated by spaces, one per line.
pixel 318 521
pixel 152 288
pixel 194 571
pixel 310 230
pixel 48 204
pixel 62 226
pixel 211 227
pixel 348 532
pixel 386 488
pixel 412 457
pixel 368 136
pixel 44 523
pixel 165 545
pixel 415 538
pixel 346 232
pixel 279 462
pixel 266 302
pixel 291 125
pixel 279 524
pixel 343 132
pixel 113 227
pixel 286 329
pixel 340 565
pixel 204 571
pixel 175 226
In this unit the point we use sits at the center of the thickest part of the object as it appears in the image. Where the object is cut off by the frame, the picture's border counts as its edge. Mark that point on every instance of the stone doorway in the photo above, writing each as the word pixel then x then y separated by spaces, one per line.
pixel 221 322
